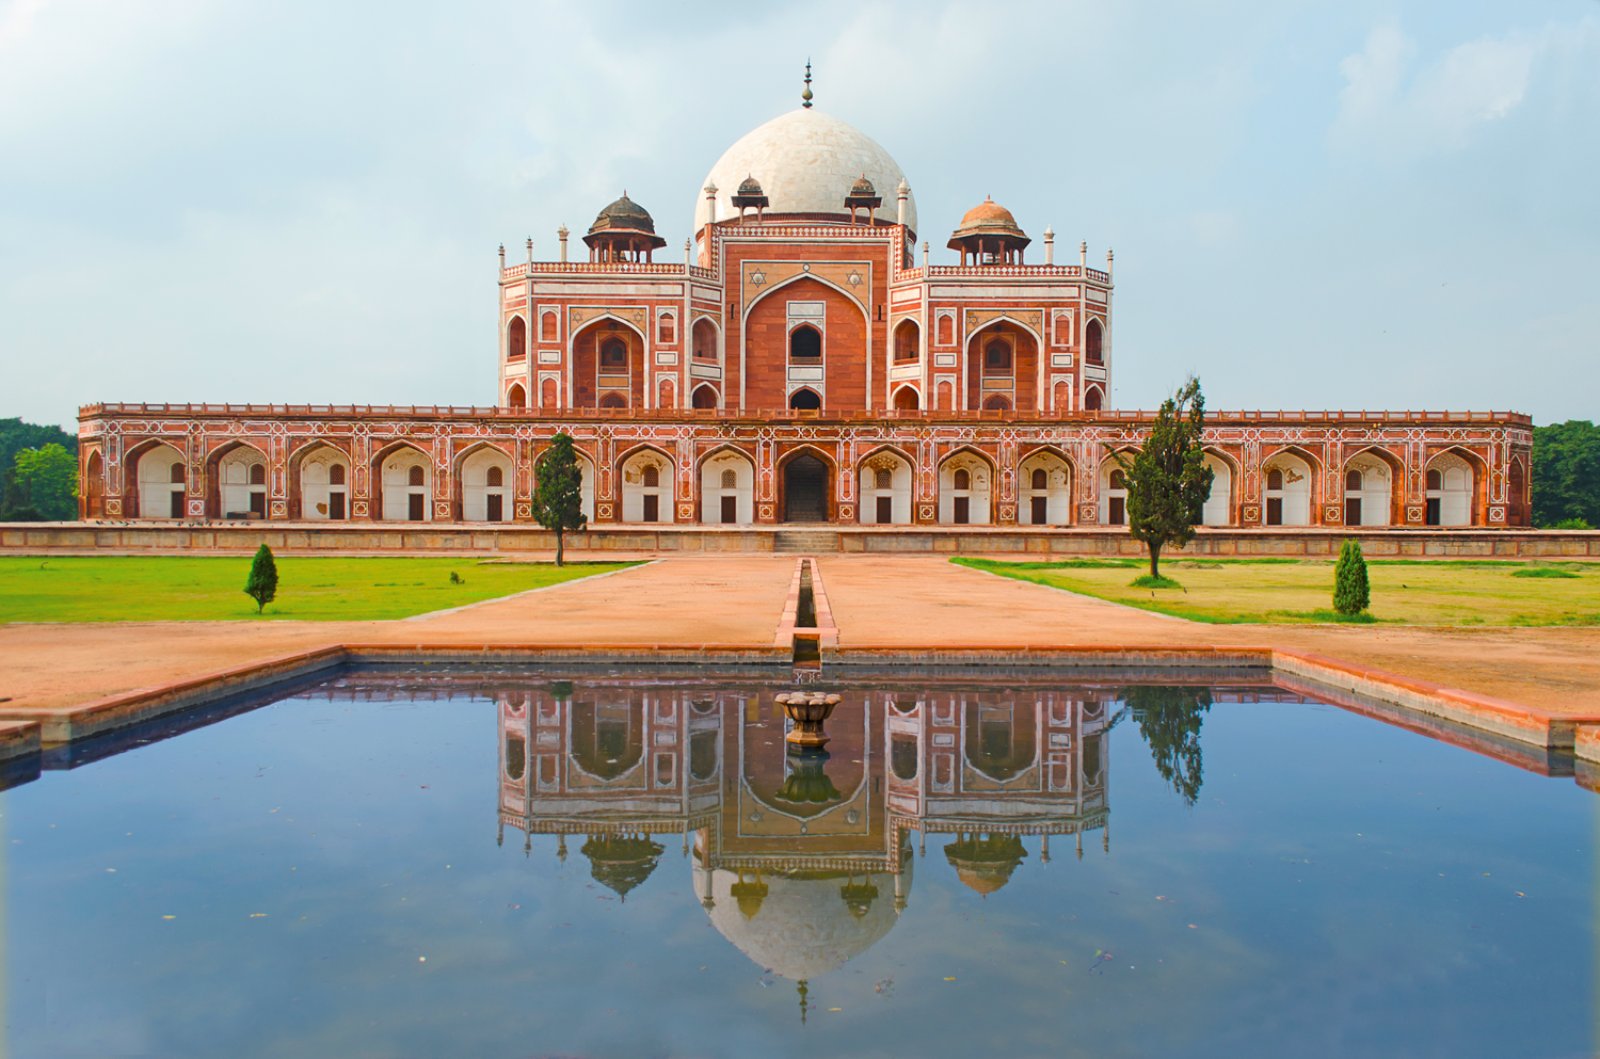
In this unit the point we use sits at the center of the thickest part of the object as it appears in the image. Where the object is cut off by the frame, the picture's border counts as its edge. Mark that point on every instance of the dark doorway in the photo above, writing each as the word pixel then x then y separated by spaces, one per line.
pixel 1352 511
pixel 414 507
pixel 805 400
pixel 1040 514
pixel 885 509
pixel 177 505
pixel 1119 511
pixel 963 511
pixel 1274 511
pixel 730 510
pixel 336 507
pixel 496 506
pixel 805 490
pixel 1435 511
pixel 652 508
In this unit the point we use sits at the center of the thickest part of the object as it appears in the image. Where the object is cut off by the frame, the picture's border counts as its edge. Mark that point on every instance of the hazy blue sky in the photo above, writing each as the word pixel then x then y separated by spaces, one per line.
pixel 1312 205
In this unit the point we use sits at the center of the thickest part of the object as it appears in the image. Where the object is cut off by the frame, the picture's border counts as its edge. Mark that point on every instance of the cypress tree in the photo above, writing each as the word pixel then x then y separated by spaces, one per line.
pixel 262 585
pixel 1168 480
pixel 558 491
pixel 1351 592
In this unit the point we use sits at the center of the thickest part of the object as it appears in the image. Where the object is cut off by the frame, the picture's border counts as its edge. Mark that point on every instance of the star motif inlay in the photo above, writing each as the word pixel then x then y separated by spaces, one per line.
pixel 854 278
pixel 757 278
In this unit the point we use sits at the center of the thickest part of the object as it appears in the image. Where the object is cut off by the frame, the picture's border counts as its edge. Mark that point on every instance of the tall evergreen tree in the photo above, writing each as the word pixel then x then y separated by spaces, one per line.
pixel 558 492
pixel 1168 480
pixel 1351 590
pixel 262 584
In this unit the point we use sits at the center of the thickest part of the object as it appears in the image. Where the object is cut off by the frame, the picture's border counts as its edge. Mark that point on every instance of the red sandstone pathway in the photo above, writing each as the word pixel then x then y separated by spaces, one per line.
pixel 909 601
pixel 735 600
pixel 926 601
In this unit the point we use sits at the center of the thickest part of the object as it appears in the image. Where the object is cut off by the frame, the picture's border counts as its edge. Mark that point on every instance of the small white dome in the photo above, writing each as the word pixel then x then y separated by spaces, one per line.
pixel 806 162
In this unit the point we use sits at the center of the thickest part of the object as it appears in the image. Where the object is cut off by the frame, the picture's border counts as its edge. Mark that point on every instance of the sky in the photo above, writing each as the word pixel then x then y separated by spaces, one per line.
pixel 1354 205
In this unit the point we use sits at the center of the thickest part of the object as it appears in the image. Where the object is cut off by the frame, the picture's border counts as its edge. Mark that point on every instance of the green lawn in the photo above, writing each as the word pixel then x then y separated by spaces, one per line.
pixel 193 588
pixel 1409 592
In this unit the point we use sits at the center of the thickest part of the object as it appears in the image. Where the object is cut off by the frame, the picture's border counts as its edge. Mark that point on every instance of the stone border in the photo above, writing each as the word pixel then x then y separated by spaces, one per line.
pixel 388 538
pixel 1445 713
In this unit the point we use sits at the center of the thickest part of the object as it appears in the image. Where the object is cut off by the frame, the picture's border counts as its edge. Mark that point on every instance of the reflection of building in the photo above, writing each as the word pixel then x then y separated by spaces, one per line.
pixel 800 359
pixel 802 863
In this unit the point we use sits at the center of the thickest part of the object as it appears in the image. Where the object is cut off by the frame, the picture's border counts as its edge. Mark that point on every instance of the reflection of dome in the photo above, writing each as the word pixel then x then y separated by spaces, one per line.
pixel 985 863
pixel 621 862
pixel 804 926
pixel 806 162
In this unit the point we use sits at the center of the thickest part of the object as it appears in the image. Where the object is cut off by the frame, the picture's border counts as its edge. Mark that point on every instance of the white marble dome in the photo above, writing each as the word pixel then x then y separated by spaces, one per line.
pixel 803 929
pixel 806 162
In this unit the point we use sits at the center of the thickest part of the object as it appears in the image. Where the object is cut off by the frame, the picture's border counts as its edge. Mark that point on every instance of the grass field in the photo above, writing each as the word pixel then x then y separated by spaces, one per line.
pixel 192 588
pixel 1410 592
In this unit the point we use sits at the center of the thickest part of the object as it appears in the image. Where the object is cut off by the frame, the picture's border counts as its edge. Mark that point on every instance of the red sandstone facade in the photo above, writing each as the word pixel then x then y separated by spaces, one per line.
pixel 799 365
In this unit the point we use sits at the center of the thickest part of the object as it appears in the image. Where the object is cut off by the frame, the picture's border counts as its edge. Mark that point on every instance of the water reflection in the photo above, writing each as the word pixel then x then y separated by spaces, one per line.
pixel 803 861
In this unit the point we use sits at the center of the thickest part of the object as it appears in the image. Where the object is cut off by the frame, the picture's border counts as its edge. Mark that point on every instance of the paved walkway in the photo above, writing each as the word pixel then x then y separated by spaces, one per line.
pixel 735 600
pixel 910 601
pixel 917 601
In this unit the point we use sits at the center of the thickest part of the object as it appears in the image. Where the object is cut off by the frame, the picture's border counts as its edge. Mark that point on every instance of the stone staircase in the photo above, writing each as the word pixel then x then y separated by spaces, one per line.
pixel 805 541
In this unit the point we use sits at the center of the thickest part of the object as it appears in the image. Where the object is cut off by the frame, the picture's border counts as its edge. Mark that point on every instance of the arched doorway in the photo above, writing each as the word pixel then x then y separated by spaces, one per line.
pixel 805 400
pixel 805 489
pixel 485 480
pixel 1286 491
pixel 162 478
pixel 727 489
pixel 1451 491
pixel 1218 510
pixel 1044 482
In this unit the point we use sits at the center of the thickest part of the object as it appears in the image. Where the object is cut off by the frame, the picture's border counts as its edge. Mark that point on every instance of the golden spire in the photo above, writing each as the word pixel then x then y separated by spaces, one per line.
pixel 805 97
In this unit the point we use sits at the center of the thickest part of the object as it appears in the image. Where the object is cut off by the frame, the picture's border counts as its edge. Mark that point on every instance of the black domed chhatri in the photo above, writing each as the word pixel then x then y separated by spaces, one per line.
pixel 627 218
pixel 863 196
pixel 750 195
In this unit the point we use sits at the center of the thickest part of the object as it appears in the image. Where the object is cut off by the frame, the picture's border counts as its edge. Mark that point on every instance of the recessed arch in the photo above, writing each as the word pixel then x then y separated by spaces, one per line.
pixel 319 481
pixel 648 482
pixel 1454 484
pixel 805 475
pixel 516 338
pixel 727 476
pixel 403 479
pixel 906 399
pixel 704 397
pixel 887 479
pixel 159 473
pixel 1094 331
pixel 483 482
pixel 1289 490
pixel 1044 487
pixel 966 487
pixel 1221 499
pixel 907 341
pixel 798 277
pixel 705 340
pixel 1373 487
pixel 1094 398
pixel 805 399
pixel 93 489
pixel 1114 487
pixel 236 476
pixel 592 381
pixel 516 396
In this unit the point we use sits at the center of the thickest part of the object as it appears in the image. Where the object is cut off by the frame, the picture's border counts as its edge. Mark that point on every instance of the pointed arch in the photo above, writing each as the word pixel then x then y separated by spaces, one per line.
pixel 727 475
pixel 805 399
pixel 967 477
pixel 155 480
pixel 1290 499
pixel 1094 398
pixel 1223 499
pixel 649 481
pixel 1455 499
pixel 906 398
pixel 319 481
pixel 1373 502
pixel 806 475
pixel 1045 480
pixel 234 487
pixel 704 397
pixel 585 369
pixel 400 493
pixel 516 337
pixel 516 397
pixel 796 278
pixel 1113 486
pixel 93 487
pixel 479 493
pixel 887 479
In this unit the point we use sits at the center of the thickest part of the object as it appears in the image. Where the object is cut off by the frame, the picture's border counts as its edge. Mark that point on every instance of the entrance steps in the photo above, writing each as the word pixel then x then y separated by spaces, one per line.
pixel 805 541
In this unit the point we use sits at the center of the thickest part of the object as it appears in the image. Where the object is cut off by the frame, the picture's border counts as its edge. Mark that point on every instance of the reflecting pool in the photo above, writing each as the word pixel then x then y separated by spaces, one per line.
pixel 441 862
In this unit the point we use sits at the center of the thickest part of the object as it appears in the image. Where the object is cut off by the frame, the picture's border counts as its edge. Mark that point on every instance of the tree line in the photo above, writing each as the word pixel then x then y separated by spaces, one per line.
pixel 38 473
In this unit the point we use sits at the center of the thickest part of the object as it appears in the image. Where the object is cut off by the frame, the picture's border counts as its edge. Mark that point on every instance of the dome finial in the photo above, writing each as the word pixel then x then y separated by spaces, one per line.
pixel 805 96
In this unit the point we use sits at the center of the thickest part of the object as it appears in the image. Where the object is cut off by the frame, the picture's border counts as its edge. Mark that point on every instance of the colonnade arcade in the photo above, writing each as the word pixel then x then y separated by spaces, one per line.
pixel 686 475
